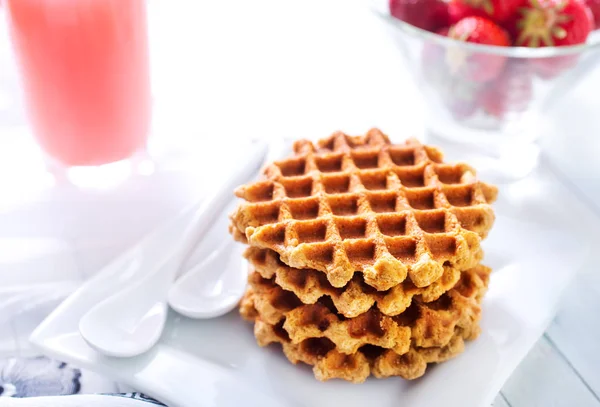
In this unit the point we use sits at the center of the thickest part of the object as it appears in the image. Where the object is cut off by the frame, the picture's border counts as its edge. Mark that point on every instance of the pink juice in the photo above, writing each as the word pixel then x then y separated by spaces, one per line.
pixel 86 77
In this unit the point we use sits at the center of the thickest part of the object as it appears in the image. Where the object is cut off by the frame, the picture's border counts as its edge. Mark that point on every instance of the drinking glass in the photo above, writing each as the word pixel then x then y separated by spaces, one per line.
pixel 84 69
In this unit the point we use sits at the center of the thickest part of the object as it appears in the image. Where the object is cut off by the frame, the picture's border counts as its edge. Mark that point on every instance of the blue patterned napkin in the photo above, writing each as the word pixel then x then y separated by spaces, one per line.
pixel 42 382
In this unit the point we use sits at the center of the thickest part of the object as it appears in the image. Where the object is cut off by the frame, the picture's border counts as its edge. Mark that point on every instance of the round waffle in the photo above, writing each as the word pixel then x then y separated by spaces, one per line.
pixel 351 204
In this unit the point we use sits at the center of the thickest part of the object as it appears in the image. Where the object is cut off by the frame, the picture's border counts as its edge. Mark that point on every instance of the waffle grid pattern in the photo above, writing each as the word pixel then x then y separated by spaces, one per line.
pixel 361 204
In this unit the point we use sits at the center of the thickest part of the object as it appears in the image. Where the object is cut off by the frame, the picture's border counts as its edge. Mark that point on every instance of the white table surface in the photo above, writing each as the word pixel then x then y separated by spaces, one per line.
pixel 229 71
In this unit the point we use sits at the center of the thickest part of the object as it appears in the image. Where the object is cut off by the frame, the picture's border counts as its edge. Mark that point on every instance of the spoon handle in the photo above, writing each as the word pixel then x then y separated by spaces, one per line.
pixel 213 205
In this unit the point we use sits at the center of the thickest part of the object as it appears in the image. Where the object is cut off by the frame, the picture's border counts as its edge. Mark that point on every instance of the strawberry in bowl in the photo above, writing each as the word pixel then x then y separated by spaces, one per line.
pixel 487 68
pixel 594 6
pixel 477 30
pixel 552 23
pixel 495 10
pixel 429 15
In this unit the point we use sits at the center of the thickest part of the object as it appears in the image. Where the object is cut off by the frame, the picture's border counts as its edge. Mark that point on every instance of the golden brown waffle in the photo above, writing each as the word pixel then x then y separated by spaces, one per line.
pixel 422 324
pixel 356 297
pixel 352 204
pixel 328 363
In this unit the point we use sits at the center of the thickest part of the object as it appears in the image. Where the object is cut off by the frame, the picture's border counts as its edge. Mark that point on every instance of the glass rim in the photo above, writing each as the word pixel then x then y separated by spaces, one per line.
pixel 511 52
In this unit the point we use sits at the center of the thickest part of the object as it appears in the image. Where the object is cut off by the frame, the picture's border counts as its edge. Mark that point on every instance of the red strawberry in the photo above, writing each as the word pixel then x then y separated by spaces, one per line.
pixel 457 11
pixel 477 66
pixel 553 23
pixel 511 92
pixel 548 23
pixel 480 30
pixel 497 10
pixel 444 31
pixel 439 15
pixel 594 6
pixel 426 14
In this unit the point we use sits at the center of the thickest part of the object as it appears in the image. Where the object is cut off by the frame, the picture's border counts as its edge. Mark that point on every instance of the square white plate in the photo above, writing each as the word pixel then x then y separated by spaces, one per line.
pixel 540 239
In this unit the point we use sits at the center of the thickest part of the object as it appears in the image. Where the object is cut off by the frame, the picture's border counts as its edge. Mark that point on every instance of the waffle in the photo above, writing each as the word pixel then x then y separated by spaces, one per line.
pixel 422 324
pixel 328 363
pixel 352 204
pixel 356 297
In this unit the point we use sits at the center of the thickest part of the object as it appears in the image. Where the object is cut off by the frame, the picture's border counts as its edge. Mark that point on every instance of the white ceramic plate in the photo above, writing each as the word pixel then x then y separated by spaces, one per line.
pixel 541 238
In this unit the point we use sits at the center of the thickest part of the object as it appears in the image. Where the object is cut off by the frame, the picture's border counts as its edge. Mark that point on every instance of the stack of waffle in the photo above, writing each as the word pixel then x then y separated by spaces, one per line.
pixel 365 256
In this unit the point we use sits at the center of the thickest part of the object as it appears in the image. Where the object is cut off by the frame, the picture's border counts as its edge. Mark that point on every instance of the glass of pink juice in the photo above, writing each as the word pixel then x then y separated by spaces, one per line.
pixel 85 71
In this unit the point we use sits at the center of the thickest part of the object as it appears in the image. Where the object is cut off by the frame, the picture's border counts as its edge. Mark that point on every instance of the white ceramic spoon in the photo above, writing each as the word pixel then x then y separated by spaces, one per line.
pixel 131 321
pixel 214 287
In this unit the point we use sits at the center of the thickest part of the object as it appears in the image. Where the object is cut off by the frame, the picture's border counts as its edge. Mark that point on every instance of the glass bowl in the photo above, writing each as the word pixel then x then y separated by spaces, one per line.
pixel 490 101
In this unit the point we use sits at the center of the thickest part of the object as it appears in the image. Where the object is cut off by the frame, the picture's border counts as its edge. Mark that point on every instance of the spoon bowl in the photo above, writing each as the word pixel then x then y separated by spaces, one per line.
pixel 135 338
pixel 131 321
pixel 212 288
